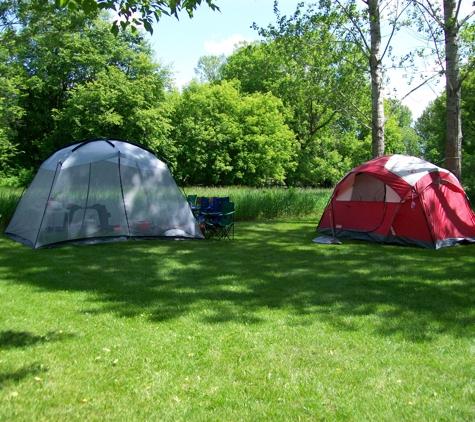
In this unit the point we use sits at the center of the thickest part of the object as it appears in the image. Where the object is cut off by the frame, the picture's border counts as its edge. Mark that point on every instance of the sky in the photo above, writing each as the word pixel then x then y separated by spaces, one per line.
pixel 180 43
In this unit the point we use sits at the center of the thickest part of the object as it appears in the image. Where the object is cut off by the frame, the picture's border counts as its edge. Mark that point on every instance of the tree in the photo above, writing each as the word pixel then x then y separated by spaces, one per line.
pixel 10 111
pixel 363 27
pixel 11 84
pixel 468 113
pixel 304 62
pixel 468 129
pixel 399 126
pixel 208 68
pixel 401 138
pixel 115 105
pixel 225 138
pixel 258 66
pixel 79 80
pixel 136 13
pixel 376 70
pixel 444 24
pixel 431 127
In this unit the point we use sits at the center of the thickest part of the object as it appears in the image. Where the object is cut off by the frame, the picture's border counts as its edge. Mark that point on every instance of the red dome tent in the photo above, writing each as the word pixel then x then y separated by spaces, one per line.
pixel 400 199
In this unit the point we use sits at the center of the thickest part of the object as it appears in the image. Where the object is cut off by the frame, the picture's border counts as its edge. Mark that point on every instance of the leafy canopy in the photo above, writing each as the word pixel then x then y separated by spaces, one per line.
pixel 136 13
pixel 225 137
pixel 69 78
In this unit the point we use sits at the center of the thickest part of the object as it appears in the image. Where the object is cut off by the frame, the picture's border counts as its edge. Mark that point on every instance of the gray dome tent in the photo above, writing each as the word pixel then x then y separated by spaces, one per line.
pixel 101 190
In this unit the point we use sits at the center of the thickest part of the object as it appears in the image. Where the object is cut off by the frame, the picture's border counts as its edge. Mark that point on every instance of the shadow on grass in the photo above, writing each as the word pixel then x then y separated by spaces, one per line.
pixel 417 293
pixel 18 375
pixel 10 339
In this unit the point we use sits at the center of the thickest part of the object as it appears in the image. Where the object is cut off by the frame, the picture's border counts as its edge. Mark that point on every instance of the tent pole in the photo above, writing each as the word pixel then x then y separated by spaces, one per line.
pixel 87 195
pixel 47 200
pixel 145 190
pixel 332 222
pixel 122 194
pixel 392 219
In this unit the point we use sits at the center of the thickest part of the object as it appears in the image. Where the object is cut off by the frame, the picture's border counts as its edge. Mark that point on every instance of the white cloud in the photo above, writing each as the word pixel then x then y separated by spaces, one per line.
pixel 225 46
pixel 181 82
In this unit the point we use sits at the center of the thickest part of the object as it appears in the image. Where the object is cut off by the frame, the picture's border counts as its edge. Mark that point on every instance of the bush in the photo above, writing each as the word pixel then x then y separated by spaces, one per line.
pixel 17 178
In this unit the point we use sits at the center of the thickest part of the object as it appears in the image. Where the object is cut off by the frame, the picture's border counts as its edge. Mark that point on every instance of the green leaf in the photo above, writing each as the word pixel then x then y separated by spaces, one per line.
pixel 148 26
pixel 115 28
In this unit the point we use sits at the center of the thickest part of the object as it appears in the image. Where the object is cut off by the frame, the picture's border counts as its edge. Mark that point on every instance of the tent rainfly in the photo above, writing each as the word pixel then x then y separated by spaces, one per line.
pixel 98 191
pixel 400 199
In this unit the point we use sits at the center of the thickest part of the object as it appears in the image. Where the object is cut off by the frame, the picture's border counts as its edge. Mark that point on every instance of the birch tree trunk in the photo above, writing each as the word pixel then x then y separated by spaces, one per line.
pixel 376 67
pixel 453 145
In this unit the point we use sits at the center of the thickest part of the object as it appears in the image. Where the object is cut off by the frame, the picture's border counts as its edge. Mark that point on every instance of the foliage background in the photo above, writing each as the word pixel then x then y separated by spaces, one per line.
pixel 293 109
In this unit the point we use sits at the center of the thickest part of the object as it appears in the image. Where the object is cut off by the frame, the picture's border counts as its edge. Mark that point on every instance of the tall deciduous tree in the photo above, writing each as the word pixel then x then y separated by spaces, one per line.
pixel 401 138
pixel 10 111
pixel 257 66
pixel 468 123
pixel 376 69
pixel 208 68
pixel 431 127
pixel 318 78
pixel 79 80
pixel 444 22
pixel 363 27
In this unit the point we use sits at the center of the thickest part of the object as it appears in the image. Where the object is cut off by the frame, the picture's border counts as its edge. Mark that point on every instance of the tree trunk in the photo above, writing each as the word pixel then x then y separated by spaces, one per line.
pixel 453 137
pixel 377 100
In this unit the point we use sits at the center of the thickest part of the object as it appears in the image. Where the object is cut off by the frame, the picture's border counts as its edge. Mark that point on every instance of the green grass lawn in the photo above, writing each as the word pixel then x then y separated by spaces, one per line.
pixel 271 327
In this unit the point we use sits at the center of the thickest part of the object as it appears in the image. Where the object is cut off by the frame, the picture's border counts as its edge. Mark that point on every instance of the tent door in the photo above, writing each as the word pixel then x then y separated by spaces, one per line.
pixel 365 210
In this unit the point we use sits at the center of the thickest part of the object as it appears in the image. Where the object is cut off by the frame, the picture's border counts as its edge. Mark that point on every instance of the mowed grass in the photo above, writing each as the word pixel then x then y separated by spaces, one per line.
pixel 269 327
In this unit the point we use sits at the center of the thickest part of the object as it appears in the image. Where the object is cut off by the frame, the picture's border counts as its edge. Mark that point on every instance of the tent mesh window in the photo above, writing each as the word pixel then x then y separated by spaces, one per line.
pixel 368 188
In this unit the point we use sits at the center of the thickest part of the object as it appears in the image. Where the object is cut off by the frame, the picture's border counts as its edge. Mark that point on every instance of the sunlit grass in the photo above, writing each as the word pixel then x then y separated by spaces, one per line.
pixel 268 327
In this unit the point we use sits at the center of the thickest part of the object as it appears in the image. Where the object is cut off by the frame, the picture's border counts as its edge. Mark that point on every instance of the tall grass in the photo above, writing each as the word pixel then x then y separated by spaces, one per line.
pixel 261 204
pixel 8 201
pixel 250 203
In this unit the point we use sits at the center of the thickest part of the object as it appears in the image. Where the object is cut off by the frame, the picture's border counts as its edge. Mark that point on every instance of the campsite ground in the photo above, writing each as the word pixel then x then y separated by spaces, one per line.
pixel 270 327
